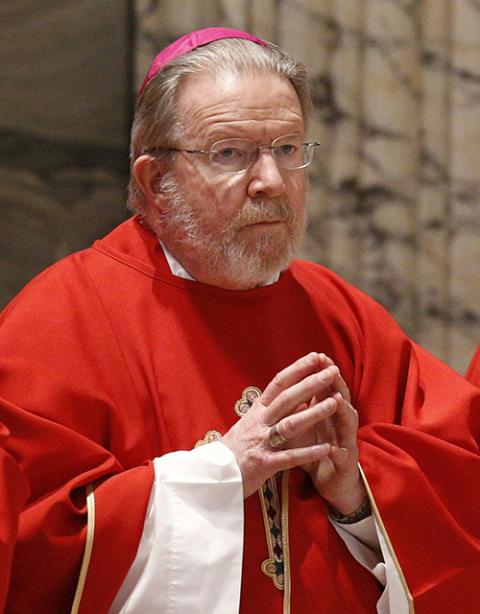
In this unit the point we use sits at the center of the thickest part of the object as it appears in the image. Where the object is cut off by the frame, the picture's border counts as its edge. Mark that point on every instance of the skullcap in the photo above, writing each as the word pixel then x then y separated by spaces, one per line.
pixel 191 41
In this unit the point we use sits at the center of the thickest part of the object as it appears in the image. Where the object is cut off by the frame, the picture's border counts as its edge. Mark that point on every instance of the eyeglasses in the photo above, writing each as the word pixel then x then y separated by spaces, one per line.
pixel 237 155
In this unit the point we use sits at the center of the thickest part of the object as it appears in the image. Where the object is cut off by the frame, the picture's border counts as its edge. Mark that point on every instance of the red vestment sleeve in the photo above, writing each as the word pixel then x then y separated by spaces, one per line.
pixel 13 493
pixel 473 371
pixel 420 427
pixel 61 415
pixel 53 524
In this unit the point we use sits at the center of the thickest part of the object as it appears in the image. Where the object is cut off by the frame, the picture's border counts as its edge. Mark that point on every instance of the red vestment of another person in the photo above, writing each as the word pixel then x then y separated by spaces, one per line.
pixel 473 372
pixel 107 360
pixel 13 493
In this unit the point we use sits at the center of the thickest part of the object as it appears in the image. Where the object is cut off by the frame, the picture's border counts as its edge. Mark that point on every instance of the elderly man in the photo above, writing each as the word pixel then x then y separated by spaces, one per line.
pixel 183 397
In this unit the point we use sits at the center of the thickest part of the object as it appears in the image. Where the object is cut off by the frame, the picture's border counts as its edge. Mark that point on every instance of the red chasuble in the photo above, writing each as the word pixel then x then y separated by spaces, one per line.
pixel 107 361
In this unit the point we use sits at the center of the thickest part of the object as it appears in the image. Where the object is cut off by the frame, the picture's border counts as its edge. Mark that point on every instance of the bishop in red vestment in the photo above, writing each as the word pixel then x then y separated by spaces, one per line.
pixel 110 361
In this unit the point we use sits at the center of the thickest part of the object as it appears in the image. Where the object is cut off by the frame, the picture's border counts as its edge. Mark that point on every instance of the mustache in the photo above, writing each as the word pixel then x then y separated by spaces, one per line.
pixel 262 210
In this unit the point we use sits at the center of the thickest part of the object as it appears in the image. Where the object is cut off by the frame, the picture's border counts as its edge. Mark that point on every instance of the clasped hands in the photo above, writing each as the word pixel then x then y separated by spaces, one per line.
pixel 303 419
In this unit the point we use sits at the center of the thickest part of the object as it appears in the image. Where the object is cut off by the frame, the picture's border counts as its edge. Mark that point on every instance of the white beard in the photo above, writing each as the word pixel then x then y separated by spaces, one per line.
pixel 235 254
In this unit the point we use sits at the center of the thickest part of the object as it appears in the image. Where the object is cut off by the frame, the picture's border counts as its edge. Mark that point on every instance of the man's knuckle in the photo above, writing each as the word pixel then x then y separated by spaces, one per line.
pixel 287 426
pixel 278 380
pixel 285 399
pixel 256 457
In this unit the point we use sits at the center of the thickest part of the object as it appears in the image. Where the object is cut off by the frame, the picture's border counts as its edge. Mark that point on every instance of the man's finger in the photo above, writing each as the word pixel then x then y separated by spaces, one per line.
pixel 287 459
pixel 289 400
pixel 346 423
pixel 296 424
pixel 340 384
pixel 341 387
pixel 344 460
pixel 292 374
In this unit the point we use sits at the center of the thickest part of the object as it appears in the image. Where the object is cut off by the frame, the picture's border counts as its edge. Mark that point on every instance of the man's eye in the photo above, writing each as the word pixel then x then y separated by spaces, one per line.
pixel 287 150
pixel 228 153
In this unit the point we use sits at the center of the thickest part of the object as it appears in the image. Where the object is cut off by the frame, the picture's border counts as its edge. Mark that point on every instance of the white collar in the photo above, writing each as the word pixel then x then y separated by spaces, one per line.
pixel 175 267
pixel 179 271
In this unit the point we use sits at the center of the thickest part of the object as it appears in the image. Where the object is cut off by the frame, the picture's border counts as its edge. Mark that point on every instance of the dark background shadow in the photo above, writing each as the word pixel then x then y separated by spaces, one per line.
pixel 65 111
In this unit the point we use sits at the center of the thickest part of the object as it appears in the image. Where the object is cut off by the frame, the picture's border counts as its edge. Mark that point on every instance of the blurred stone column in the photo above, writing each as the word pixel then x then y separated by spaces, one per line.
pixel 65 109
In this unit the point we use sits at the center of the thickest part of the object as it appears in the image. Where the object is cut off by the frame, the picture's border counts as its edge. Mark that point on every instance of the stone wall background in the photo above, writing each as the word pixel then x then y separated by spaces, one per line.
pixel 65 83
pixel 394 193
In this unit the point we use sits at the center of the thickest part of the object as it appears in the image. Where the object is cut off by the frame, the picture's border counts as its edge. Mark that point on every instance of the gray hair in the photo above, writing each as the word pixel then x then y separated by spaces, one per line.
pixel 156 123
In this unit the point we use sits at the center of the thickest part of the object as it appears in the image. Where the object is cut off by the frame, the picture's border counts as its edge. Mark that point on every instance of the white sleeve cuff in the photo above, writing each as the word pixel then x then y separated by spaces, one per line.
pixel 190 555
pixel 362 542
pixel 367 545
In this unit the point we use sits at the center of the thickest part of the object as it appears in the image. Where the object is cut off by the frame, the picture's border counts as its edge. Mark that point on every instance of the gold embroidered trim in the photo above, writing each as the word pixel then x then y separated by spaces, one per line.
pixel 275 516
pixel 88 549
pixel 249 395
pixel 272 511
pixel 286 544
pixel 273 567
pixel 376 513
pixel 209 437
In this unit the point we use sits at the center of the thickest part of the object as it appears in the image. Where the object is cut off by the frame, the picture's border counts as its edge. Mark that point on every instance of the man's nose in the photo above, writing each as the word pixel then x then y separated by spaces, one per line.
pixel 266 178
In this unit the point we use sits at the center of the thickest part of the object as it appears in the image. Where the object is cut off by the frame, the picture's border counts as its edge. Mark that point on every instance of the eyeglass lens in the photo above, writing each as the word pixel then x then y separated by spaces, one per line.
pixel 234 155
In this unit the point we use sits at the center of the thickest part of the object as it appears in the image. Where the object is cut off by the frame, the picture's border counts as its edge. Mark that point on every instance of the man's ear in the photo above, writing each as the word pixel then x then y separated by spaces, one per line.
pixel 147 172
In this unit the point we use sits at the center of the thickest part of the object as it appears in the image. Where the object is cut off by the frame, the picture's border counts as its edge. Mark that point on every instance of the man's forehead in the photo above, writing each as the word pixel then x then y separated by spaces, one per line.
pixel 222 103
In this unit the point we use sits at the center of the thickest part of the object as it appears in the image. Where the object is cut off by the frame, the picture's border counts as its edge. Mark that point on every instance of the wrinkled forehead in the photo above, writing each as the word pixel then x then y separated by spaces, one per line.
pixel 254 104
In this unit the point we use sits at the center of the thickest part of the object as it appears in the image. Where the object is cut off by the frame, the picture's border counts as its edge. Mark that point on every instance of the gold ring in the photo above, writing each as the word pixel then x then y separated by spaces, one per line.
pixel 276 439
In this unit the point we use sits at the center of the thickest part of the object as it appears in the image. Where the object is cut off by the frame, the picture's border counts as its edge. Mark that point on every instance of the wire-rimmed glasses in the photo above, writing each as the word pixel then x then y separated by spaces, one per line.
pixel 238 154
